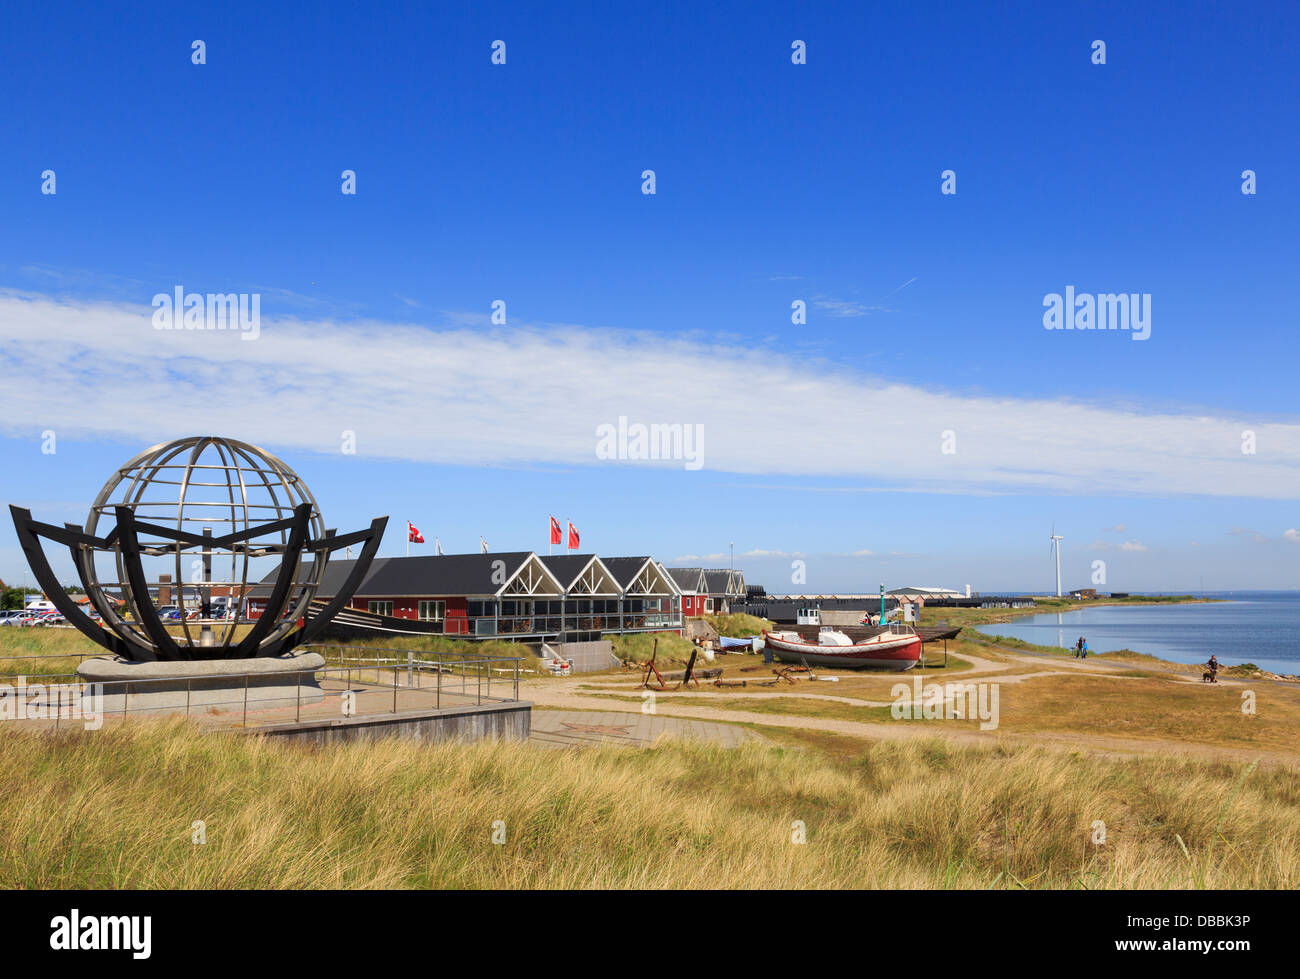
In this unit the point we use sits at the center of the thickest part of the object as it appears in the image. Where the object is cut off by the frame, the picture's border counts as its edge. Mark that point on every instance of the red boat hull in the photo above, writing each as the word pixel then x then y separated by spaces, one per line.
pixel 886 652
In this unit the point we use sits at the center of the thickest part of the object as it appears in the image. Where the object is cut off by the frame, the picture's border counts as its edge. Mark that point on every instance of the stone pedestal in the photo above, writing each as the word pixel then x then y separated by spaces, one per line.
pixel 204 686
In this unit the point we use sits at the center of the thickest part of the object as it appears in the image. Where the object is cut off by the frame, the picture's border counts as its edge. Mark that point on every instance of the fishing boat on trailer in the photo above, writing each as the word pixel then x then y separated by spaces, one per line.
pixel 897 649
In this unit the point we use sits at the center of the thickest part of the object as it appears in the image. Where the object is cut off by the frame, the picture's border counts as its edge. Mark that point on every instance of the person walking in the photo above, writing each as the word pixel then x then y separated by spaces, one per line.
pixel 1083 648
pixel 1213 664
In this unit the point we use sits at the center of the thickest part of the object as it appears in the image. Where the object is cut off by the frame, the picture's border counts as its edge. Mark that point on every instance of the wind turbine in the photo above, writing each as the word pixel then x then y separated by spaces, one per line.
pixel 1056 547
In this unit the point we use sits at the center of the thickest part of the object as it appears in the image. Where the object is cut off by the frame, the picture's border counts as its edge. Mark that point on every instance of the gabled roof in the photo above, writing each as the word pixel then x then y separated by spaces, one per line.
pixel 689 580
pixel 641 576
pixel 582 574
pixel 717 582
pixel 531 578
pixel 566 567
pixel 724 581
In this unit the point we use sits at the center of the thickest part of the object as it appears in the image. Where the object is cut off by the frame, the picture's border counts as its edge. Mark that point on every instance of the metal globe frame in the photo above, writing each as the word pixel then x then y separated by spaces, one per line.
pixel 293 532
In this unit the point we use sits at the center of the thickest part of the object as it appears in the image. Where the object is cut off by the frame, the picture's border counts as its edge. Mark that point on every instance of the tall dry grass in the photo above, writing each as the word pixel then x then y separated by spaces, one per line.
pixel 115 808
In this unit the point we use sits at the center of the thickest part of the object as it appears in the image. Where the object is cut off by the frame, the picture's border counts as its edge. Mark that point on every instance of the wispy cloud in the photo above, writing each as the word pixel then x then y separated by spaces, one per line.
pixel 534 394
pixel 1254 535
pixel 1119 528
pixel 1129 545
pixel 847 308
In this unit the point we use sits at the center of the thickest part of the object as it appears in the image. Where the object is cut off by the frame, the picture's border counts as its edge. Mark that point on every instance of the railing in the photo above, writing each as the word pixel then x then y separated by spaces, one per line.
pixel 460 678
pixel 416 665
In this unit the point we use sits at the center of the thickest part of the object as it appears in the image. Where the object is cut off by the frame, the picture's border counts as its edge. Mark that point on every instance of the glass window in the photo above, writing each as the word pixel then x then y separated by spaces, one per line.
pixel 381 608
pixel 433 611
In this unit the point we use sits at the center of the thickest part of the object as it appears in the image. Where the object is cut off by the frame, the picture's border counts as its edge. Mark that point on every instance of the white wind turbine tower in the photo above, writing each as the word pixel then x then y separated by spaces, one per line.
pixel 1056 547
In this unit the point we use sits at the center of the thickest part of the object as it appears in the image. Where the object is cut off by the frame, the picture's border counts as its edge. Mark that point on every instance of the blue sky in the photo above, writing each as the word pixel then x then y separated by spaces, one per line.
pixel 775 182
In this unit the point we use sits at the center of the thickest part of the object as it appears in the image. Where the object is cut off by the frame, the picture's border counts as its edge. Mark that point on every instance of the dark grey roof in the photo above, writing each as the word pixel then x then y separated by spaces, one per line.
pixel 336 572
pixel 442 574
pixel 565 567
pixel 717 582
pixel 688 579
pixel 624 569
pixel 431 575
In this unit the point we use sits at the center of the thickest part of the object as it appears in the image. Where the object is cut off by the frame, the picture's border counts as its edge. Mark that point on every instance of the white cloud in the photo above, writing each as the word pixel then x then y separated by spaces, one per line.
pixel 1133 545
pixel 1119 528
pixel 471 395
pixel 1292 535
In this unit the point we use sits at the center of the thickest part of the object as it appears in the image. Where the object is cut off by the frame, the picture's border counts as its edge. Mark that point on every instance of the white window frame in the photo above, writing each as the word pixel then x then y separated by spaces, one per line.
pixel 439 610
pixel 385 608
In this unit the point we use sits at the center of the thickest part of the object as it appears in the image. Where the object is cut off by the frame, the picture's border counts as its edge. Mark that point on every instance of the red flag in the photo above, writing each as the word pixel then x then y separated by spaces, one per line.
pixel 555 531
pixel 412 534
pixel 573 537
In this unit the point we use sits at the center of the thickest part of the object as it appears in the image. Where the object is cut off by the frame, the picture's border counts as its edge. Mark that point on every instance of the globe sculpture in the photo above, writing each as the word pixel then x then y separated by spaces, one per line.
pixel 192 518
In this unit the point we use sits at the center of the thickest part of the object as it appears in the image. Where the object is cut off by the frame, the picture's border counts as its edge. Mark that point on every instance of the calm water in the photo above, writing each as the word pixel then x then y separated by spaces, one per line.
pixel 1250 627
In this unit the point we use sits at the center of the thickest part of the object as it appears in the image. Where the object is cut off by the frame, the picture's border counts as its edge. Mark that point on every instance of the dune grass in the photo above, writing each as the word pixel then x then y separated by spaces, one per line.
pixel 637 647
pixel 738 625
pixel 399 645
pixel 116 808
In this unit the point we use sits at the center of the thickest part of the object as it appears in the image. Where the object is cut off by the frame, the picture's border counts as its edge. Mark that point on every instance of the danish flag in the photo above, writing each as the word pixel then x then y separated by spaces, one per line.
pixel 555 531
pixel 412 534
pixel 573 537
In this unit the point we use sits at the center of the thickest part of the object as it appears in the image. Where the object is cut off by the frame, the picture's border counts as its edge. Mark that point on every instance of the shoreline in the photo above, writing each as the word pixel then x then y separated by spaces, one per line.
pixel 979 634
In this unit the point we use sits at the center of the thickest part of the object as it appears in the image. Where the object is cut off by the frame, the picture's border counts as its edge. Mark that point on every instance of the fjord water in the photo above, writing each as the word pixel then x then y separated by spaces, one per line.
pixel 1246 627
